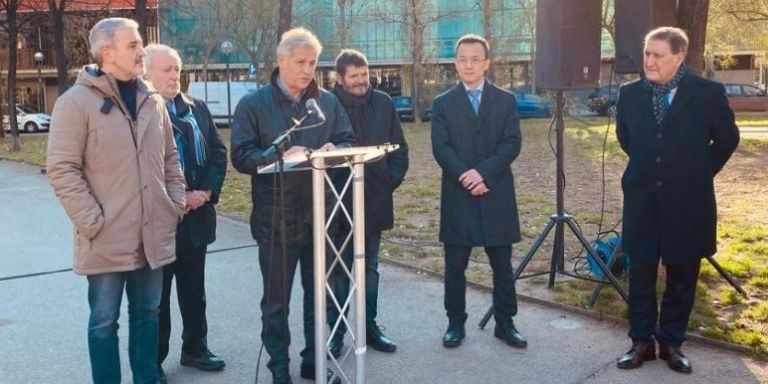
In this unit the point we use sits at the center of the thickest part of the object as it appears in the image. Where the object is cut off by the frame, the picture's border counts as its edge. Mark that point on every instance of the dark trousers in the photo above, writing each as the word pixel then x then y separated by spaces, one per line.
pixel 676 304
pixel 189 269
pixel 275 302
pixel 340 280
pixel 504 296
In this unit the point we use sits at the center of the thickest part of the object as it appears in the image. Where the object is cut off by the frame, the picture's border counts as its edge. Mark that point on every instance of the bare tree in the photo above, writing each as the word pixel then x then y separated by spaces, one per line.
pixel 285 17
pixel 348 16
pixel 692 17
pixel 141 14
pixel 414 17
pixel 13 22
pixel 56 10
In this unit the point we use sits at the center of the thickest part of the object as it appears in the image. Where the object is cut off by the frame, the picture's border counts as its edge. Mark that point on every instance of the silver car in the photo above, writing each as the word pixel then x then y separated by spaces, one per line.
pixel 28 120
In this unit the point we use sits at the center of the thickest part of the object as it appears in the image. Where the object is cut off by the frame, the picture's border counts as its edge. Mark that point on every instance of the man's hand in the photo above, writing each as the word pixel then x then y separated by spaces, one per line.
pixel 295 149
pixel 479 190
pixel 196 199
pixel 470 179
pixel 327 147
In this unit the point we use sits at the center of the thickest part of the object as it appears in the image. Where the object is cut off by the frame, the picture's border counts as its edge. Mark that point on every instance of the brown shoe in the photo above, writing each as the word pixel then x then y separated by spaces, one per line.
pixel 641 351
pixel 675 359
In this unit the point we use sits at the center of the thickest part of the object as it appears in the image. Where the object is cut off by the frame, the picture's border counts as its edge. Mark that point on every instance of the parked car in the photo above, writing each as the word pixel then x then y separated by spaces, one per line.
pixel 28 120
pixel 602 102
pixel 746 98
pixel 532 105
pixel 404 107
pixel 427 115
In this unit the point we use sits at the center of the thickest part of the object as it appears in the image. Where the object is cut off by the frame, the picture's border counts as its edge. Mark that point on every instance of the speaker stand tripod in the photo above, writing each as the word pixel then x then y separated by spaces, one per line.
pixel 558 221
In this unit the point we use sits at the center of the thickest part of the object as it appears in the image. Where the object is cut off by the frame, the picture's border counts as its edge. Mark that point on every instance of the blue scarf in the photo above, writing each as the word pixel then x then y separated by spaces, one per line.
pixel 661 93
pixel 186 125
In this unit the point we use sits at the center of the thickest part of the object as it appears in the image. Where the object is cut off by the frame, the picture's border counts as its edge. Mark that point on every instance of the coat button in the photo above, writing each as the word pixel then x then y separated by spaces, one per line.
pixel 658 135
pixel 145 186
pixel 658 160
pixel 659 184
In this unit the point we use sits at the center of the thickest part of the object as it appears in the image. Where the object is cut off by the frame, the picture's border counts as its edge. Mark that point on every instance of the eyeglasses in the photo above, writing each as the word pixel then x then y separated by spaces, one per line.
pixel 473 61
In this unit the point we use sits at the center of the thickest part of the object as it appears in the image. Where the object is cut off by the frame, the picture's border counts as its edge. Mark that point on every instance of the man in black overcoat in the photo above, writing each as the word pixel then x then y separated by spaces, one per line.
pixel 475 138
pixel 678 132
pixel 204 161
pixel 374 121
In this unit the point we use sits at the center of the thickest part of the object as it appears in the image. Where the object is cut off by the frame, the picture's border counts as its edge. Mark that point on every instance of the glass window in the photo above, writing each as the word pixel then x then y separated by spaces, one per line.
pixel 751 91
pixel 733 90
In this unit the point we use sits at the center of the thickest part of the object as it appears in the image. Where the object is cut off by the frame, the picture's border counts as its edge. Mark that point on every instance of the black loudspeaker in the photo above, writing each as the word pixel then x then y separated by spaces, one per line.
pixel 633 20
pixel 568 44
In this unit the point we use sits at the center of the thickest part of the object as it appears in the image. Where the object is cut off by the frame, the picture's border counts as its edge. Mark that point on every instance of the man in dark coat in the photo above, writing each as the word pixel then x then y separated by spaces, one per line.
pixel 374 120
pixel 203 158
pixel 475 138
pixel 678 132
pixel 259 118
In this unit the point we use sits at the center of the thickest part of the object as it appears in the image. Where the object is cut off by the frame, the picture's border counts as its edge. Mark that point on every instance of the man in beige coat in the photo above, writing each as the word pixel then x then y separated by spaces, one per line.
pixel 113 164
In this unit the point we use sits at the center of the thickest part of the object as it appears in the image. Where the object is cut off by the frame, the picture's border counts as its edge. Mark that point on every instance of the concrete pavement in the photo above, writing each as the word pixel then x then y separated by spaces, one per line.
pixel 43 318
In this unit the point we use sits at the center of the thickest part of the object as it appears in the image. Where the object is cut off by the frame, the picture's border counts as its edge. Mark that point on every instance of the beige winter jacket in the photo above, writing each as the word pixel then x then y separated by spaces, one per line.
pixel 119 180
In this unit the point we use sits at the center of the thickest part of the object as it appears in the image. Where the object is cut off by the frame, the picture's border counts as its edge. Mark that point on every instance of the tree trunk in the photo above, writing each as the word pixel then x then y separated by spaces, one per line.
pixel 141 14
pixel 2 104
pixel 342 24
pixel 62 61
pixel 286 14
pixel 488 34
pixel 692 17
pixel 12 55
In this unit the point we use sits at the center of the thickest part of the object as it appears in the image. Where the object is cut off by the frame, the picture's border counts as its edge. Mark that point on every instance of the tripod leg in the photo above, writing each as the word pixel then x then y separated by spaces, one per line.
pixel 599 287
pixel 558 253
pixel 727 276
pixel 523 263
pixel 600 262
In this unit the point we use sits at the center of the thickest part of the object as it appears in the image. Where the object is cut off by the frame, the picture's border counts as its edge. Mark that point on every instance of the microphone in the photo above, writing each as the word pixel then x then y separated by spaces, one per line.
pixel 314 109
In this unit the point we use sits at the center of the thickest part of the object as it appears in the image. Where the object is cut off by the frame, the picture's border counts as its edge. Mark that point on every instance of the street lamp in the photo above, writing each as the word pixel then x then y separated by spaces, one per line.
pixel 39 59
pixel 227 47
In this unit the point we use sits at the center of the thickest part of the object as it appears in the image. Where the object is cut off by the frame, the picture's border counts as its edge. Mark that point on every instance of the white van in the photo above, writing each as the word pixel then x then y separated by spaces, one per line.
pixel 217 96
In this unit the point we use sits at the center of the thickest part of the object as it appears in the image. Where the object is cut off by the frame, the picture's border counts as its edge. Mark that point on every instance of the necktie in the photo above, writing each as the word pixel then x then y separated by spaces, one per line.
pixel 474 99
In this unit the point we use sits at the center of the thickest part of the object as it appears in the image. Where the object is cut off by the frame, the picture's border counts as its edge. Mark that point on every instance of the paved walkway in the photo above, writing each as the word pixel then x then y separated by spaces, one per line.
pixel 43 318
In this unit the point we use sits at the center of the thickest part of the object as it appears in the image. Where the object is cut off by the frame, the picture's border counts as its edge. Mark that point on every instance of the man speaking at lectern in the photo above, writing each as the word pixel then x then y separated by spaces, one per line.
pixel 259 118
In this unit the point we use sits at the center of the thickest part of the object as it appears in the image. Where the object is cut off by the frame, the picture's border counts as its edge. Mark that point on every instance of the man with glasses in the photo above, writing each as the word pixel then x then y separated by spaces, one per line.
pixel 475 138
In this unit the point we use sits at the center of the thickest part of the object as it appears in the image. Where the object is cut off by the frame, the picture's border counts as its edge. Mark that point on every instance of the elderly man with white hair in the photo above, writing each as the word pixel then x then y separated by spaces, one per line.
pixel 113 164
pixel 259 118
pixel 203 159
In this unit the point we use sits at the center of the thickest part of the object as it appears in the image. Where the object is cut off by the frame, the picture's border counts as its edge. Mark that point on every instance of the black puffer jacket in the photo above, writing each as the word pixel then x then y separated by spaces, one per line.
pixel 259 118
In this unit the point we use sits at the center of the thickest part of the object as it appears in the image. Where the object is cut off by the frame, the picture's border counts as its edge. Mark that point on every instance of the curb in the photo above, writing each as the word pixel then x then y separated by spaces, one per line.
pixel 741 349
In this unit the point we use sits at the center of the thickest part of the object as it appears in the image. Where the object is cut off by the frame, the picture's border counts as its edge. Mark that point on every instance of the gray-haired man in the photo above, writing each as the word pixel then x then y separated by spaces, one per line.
pixel 113 164
pixel 259 118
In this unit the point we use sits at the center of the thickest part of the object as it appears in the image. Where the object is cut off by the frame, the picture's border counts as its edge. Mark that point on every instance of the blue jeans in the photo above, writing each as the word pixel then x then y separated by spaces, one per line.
pixel 105 292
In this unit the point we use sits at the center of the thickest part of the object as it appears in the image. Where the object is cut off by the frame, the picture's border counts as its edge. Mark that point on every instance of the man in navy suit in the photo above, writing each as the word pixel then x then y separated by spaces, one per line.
pixel 678 132
pixel 475 138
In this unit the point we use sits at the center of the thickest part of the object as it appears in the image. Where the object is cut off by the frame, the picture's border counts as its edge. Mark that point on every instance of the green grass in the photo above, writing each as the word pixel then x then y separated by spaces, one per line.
pixel 33 149
pixel 758 312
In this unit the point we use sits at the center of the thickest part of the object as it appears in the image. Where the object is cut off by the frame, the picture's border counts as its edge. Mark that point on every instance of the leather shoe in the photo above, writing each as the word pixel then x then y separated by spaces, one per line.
pixel 510 335
pixel 641 351
pixel 453 335
pixel 203 360
pixel 281 376
pixel 161 379
pixel 675 359
pixel 336 344
pixel 376 339
pixel 308 372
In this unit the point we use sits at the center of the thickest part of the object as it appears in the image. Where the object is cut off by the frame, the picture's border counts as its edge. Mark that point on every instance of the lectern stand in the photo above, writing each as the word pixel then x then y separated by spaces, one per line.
pixel 318 162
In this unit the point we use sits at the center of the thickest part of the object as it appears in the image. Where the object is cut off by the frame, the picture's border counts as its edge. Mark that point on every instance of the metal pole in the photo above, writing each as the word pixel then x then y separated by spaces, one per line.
pixel 40 87
pixel 318 232
pixel 229 98
pixel 558 250
pixel 358 230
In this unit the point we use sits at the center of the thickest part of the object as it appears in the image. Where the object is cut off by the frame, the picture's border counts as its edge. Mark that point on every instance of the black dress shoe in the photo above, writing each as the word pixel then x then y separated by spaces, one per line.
pixel 376 339
pixel 308 372
pixel 641 351
pixel 336 344
pixel 675 359
pixel 203 360
pixel 510 335
pixel 281 376
pixel 161 379
pixel 453 335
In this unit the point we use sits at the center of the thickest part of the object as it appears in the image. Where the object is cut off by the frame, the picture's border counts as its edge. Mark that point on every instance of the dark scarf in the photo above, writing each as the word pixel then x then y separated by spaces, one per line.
pixel 661 93
pixel 355 107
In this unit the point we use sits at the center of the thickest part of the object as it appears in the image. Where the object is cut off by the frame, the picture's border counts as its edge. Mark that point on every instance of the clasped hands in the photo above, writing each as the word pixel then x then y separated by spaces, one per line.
pixel 473 182
pixel 196 199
